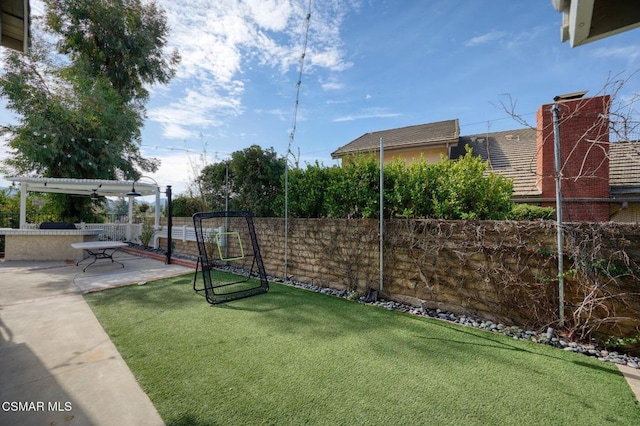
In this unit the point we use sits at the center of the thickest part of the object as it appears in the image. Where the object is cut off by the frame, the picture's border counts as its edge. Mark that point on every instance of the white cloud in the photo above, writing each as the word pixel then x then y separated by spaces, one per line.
pixel 485 38
pixel 219 39
pixel 332 83
pixel 630 53
pixel 330 59
pixel 276 112
pixel 368 113
pixel 270 14
pixel 177 169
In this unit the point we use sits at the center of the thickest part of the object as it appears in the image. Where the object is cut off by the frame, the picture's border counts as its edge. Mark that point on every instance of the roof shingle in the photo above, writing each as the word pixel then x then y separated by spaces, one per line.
pixel 511 153
pixel 430 134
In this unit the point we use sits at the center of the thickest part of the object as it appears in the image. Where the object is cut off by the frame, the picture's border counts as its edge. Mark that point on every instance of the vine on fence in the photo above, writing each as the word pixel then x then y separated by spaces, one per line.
pixel 348 249
pixel 605 289
pixel 508 271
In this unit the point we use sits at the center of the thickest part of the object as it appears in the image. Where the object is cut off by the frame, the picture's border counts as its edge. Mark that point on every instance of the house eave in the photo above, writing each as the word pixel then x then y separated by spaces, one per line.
pixel 429 143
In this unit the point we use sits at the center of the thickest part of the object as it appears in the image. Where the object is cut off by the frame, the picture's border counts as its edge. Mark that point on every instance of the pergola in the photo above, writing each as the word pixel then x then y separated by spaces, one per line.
pixel 91 188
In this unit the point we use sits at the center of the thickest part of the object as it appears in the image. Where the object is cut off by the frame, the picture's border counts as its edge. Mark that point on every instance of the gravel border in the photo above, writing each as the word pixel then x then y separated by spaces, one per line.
pixel 549 338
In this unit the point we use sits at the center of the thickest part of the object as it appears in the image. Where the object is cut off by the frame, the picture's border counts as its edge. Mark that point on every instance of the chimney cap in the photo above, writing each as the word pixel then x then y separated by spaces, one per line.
pixel 570 96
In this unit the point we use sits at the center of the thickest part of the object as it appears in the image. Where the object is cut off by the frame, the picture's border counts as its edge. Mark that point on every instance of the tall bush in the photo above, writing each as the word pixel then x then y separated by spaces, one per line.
pixel 464 190
pixel 353 189
pixel 308 190
pixel 460 189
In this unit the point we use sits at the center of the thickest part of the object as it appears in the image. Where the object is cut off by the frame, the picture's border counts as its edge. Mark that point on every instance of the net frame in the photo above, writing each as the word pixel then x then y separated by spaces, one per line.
pixel 218 291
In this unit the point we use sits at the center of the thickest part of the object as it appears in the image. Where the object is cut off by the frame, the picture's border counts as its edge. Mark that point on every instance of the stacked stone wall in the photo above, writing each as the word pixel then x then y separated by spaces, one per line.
pixel 497 270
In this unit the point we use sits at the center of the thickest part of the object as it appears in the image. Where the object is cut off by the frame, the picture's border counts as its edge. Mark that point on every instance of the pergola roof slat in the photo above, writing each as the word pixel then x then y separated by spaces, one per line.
pixel 108 188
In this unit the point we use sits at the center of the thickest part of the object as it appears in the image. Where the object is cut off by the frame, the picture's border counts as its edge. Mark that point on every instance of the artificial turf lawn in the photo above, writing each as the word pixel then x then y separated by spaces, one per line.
pixel 296 357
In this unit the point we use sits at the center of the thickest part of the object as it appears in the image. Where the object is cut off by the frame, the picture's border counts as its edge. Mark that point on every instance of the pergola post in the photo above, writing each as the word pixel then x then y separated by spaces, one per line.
pixel 23 205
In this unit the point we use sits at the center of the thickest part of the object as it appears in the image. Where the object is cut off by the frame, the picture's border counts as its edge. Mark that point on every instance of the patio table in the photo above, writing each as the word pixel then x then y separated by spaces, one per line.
pixel 99 250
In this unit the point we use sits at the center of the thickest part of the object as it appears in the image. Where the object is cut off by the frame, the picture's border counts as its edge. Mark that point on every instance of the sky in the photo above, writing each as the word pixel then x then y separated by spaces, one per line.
pixel 369 65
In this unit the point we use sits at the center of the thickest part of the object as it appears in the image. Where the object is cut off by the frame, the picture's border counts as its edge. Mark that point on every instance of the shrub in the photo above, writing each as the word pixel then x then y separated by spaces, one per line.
pixel 531 212
pixel 187 206
pixel 148 231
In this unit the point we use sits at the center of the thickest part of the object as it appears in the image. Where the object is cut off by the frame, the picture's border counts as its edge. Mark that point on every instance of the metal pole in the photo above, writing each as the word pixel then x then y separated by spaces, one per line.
pixel 130 216
pixel 286 215
pixel 557 161
pixel 169 224
pixel 381 215
pixel 226 208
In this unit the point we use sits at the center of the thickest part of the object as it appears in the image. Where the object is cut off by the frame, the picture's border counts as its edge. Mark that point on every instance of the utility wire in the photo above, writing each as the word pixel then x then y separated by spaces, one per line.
pixel 292 135
pixel 299 82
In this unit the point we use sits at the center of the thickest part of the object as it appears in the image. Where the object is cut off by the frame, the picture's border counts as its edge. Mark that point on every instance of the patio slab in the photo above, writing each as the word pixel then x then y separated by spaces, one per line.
pixel 57 365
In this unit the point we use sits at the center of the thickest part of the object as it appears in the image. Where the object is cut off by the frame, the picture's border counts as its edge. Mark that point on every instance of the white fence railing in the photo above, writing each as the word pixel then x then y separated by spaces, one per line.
pixel 120 231
pixel 110 231
pixel 115 231
pixel 185 233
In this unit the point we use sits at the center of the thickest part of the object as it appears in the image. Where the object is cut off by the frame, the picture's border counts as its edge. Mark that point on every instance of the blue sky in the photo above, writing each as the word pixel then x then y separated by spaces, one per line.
pixel 370 65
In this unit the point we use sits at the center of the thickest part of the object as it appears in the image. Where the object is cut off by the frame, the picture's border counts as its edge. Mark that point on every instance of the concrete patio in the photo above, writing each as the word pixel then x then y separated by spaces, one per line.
pixel 57 365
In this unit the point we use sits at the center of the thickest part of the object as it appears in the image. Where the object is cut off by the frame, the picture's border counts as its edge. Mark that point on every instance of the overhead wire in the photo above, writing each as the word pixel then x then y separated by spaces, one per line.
pixel 291 140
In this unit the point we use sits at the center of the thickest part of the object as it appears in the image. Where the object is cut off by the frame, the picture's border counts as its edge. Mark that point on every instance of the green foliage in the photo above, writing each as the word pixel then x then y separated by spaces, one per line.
pixel 308 190
pixel 9 210
pixel 412 188
pixel 463 191
pixel 213 184
pixel 531 212
pixel 80 111
pixel 148 231
pixel 460 189
pixel 186 206
pixel 353 190
pixel 607 268
pixel 257 180
pixel 121 207
pixel 59 207
pixel 144 207
pixel 255 177
pixel 122 41
pixel 614 342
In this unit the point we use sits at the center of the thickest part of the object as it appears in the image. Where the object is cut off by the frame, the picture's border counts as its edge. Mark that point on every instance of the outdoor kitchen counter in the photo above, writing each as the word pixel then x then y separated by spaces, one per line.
pixel 45 244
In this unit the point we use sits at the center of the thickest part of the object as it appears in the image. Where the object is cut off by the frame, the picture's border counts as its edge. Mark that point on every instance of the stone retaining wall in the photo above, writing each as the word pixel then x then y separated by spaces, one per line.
pixel 497 270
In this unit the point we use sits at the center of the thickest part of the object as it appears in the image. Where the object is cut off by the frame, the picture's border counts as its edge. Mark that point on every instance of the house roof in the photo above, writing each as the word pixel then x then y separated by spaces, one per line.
pixel 624 168
pixel 442 133
pixel 511 153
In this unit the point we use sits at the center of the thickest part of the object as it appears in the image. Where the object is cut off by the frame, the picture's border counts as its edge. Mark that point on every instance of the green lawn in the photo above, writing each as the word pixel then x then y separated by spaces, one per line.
pixel 296 357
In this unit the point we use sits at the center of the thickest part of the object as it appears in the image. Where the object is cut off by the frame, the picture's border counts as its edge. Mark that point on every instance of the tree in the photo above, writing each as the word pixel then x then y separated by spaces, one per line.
pixel 119 40
pixel 80 114
pixel 213 184
pixel 120 207
pixel 255 181
pixel 186 206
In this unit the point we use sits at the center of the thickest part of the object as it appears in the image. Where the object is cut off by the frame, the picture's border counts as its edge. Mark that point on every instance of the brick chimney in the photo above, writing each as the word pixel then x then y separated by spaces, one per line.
pixel 584 157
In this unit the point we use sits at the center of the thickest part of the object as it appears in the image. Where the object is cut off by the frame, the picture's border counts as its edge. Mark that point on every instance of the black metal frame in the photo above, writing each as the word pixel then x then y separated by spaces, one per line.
pixel 211 289
pixel 100 253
